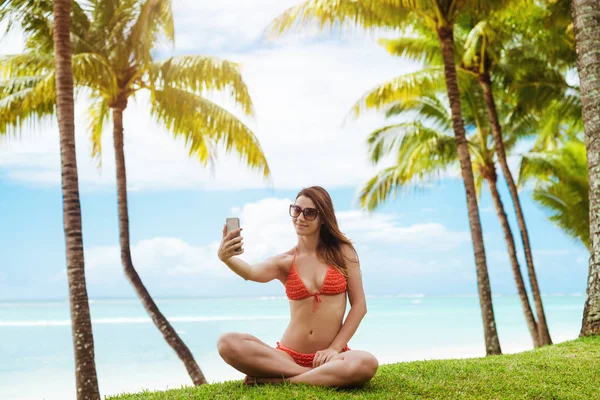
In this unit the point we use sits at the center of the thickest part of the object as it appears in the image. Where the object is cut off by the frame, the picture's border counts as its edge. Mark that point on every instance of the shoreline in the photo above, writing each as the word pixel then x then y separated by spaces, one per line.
pixel 172 375
pixel 131 354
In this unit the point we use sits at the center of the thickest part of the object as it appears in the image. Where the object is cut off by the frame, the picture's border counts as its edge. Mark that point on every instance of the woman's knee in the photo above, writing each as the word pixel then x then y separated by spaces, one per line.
pixel 370 366
pixel 230 345
pixel 363 368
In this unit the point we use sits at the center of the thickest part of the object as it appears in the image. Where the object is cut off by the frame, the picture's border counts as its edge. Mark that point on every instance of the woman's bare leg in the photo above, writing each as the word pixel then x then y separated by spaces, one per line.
pixel 255 358
pixel 351 368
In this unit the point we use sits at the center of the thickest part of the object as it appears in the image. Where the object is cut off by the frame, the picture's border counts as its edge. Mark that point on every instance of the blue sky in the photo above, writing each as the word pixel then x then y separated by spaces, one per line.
pixel 303 87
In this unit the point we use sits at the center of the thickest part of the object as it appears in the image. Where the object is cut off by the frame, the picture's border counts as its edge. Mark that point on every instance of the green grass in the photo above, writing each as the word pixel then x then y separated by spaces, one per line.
pixel 569 370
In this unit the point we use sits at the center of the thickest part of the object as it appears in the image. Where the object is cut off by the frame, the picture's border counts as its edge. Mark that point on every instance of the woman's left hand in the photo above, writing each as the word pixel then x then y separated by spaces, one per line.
pixel 323 356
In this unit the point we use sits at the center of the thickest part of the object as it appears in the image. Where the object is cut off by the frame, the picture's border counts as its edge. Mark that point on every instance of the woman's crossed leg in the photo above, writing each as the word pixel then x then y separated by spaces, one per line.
pixel 257 359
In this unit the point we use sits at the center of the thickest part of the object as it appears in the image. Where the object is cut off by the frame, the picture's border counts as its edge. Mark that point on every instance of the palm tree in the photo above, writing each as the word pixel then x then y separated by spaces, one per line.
pixel 425 148
pixel 517 70
pixel 438 16
pixel 587 25
pixel 480 59
pixel 86 380
pixel 113 42
pixel 561 186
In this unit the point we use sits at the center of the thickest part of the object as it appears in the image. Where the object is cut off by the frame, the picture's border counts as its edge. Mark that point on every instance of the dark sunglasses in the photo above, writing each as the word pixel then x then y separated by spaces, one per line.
pixel 309 213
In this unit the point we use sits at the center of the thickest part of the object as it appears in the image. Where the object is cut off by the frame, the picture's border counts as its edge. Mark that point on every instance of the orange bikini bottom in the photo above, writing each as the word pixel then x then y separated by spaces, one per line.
pixel 303 359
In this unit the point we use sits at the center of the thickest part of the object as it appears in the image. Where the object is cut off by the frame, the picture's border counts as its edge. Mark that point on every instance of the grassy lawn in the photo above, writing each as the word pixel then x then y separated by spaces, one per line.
pixel 569 370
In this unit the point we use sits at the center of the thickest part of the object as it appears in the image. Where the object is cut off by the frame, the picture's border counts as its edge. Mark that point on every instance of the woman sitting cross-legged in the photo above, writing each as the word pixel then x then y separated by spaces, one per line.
pixel 317 273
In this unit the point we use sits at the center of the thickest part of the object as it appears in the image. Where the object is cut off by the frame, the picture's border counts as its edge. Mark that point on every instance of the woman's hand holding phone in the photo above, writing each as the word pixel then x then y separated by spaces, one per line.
pixel 231 244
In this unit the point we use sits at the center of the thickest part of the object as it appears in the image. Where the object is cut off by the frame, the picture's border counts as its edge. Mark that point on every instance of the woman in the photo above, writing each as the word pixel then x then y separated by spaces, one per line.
pixel 316 274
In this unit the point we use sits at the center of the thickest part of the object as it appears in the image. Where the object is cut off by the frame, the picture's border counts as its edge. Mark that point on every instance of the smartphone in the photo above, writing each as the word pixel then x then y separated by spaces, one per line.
pixel 232 224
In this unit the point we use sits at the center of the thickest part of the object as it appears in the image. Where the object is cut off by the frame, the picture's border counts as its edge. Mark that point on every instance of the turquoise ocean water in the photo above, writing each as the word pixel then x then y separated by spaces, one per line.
pixel 36 356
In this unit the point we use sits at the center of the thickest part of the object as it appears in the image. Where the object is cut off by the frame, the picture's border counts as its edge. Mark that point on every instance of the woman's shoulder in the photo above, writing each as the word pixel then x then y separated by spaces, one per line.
pixel 348 250
pixel 350 254
pixel 284 260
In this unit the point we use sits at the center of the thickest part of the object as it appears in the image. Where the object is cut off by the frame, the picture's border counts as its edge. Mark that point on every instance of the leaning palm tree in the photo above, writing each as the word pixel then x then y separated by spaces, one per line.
pixel 561 186
pixel 113 43
pixel 439 17
pixel 586 26
pixel 423 149
pixel 86 379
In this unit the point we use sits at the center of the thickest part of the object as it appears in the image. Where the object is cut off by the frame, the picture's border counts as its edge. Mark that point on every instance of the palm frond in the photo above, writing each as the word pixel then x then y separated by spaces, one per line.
pixel 377 190
pixel 115 33
pixel 536 88
pixel 535 165
pixel 569 208
pixel 562 186
pixel 479 49
pixel 26 64
pixel 202 123
pixel 426 154
pixel 155 17
pixel 570 108
pixel 423 48
pixel 200 74
pixel 430 109
pixel 421 159
pixel 419 150
pixel 474 110
pixel 403 88
pixel 13 85
pixel 518 126
pixel 479 179
pixel 91 70
pixel 30 101
pixel 383 140
pixel 34 19
pixel 103 11
pixel 368 14
pixel 98 114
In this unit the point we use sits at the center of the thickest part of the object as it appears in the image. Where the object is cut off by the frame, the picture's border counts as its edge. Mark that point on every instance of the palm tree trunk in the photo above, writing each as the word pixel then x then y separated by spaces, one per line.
pixel 512 253
pixel 490 105
pixel 86 379
pixel 492 343
pixel 586 21
pixel 159 320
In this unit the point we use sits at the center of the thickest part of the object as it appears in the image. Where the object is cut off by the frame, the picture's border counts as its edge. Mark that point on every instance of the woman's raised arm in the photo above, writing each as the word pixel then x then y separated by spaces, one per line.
pixel 265 271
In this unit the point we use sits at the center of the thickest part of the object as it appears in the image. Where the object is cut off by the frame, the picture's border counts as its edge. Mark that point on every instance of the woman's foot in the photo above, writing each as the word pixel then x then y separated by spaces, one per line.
pixel 250 380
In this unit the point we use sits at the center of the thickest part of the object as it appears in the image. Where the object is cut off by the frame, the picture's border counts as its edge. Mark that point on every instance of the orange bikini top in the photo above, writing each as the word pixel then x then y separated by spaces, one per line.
pixel 334 283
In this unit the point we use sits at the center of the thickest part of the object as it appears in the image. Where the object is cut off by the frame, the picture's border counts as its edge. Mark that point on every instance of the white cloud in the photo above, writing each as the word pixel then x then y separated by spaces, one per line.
pixel 267 230
pixel 554 252
pixel 155 257
pixel 241 25
pixel 302 92
pixel 230 24
pixel 384 229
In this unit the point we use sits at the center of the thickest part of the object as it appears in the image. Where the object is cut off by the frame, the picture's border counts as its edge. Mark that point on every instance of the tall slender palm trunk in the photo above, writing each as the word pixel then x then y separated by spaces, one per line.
pixel 86 380
pixel 492 343
pixel 512 253
pixel 169 334
pixel 490 105
pixel 586 21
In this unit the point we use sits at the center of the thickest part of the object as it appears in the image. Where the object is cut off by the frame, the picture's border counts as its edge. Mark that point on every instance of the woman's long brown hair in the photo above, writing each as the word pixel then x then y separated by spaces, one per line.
pixel 331 238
